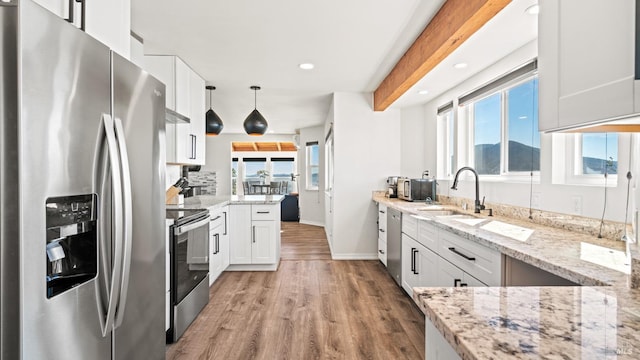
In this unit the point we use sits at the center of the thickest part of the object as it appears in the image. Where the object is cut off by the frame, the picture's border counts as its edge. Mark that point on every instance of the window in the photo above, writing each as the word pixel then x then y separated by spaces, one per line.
pixel 522 122
pixel 282 169
pixel 255 170
pixel 234 176
pixel 446 148
pixel 312 165
pixel 486 135
pixel 598 154
pixel 503 120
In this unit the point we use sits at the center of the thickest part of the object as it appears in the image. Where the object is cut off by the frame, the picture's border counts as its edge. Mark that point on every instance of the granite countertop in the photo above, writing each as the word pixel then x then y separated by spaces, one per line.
pixel 598 320
pixel 202 202
pixel 576 322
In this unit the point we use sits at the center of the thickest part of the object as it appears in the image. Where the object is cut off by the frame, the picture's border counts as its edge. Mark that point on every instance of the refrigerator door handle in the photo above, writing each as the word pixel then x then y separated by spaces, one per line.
pixel 107 323
pixel 128 221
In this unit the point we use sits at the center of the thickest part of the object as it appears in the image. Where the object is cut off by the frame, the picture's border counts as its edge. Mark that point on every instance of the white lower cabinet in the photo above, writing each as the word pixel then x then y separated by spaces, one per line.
pixel 436 346
pixel 438 258
pixel 218 243
pixel 382 233
pixel 419 265
pixel 255 236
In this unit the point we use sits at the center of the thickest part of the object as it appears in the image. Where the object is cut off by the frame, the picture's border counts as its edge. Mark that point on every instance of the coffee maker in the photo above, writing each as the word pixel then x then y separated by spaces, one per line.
pixel 392 187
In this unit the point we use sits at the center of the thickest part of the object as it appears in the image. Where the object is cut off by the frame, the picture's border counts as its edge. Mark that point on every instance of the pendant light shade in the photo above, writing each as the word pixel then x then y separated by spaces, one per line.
pixel 213 122
pixel 255 124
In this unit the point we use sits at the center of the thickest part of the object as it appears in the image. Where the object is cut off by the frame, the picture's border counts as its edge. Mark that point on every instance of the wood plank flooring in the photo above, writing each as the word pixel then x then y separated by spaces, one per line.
pixel 311 308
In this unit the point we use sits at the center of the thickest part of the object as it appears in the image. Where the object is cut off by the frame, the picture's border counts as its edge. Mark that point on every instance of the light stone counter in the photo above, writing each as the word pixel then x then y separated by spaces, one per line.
pixel 595 321
pixel 202 202
pixel 536 322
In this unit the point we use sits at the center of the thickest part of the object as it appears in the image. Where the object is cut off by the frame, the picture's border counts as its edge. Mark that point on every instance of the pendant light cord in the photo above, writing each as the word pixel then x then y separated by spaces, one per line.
pixel 255 99
pixel 210 108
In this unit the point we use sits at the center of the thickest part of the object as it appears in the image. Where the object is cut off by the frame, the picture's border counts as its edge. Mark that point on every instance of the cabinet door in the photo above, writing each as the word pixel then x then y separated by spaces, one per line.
pixel 448 274
pixel 263 244
pixel 596 60
pixel 110 23
pixel 197 116
pixel 224 239
pixel 427 267
pixel 182 76
pixel 408 263
pixel 240 234
pixel 162 67
pixel 468 280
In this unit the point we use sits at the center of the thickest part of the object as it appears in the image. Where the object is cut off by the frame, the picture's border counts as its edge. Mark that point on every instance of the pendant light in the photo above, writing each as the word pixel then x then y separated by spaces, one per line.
pixel 214 124
pixel 255 124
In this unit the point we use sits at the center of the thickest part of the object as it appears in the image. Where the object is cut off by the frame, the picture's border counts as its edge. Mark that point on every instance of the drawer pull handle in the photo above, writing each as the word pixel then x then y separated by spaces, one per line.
pixel 263 212
pixel 216 218
pixel 456 282
pixel 381 230
pixel 381 251
pixel 381 212
pixel 452 249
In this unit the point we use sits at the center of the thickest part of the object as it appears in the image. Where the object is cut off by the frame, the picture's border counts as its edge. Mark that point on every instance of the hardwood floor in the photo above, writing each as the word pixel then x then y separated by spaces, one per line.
pixel 311 308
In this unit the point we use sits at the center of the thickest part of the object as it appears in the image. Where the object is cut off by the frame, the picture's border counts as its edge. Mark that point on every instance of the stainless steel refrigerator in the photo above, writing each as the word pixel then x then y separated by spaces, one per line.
pixel 82 247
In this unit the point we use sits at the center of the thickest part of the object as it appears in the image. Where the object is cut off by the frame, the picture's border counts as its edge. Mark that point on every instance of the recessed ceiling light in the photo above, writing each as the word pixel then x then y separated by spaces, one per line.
pixel 460 65
pixel 423 92
pixel 533 9
pixel 306 66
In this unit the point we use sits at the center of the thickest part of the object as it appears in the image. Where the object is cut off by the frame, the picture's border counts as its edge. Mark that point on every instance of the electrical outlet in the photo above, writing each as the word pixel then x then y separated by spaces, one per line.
pixel 576 204
pixel 535 200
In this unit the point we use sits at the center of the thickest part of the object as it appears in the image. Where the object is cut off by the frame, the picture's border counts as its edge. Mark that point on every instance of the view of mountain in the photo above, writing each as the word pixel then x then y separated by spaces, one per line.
pixel 521 159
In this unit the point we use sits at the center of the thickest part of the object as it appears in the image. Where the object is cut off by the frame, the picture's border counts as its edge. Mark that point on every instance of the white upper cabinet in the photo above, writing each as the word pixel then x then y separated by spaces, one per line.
pixel 586 61
pixel 109 21
pixel 185 94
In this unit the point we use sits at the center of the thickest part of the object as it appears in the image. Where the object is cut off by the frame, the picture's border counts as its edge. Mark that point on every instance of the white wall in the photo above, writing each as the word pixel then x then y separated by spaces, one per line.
pixel 311 201
pixel 415 150
pixel 367 150
pixel 218 156
pixel 555 198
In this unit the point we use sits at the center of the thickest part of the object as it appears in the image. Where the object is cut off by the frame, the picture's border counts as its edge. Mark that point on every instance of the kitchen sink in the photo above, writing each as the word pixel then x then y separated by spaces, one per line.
pixel 442 212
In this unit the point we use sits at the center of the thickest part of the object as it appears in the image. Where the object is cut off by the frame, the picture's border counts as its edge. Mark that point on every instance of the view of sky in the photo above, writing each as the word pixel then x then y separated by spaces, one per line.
pixel 522 107
pixel 600 145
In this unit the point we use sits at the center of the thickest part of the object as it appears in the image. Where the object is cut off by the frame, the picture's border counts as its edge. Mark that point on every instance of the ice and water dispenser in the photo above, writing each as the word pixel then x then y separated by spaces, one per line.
pixel 72 242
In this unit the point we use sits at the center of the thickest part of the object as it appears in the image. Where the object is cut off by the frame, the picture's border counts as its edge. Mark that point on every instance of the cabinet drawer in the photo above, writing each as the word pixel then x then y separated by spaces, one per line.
pixel 382 251
pixel 382 217
pixel 217 219
pixel 263 212
pixel 410 226
pixel 428 235
pixel 479 261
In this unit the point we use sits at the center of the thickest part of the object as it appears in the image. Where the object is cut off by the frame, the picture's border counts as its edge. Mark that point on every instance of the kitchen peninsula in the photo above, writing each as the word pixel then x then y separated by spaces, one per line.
pixel 599 319
pixel 252 227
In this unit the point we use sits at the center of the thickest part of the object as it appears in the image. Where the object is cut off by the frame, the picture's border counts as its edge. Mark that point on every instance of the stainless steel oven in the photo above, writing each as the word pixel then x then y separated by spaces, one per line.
pixel 189 261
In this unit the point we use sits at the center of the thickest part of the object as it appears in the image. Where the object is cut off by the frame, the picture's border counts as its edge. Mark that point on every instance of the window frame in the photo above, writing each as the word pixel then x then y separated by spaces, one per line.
pixel 469 111
pixel 309 186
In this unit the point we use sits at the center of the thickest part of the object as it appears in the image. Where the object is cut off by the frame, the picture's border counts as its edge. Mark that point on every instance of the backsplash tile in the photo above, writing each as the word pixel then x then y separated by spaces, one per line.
pixel 207 179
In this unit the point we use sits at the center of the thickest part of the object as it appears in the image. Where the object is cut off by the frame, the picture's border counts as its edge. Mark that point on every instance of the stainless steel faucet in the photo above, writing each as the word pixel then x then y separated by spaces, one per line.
pixel 478 205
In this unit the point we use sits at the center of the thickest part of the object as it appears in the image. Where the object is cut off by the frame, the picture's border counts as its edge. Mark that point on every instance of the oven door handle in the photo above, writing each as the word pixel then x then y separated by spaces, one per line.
pixel 188 227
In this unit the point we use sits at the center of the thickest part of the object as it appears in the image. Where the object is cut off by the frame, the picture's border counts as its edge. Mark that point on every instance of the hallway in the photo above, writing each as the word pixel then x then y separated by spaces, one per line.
pixel 311 308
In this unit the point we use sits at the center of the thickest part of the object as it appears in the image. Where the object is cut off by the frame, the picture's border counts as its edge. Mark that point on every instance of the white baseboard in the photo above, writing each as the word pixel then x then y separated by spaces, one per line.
pixel 314 223
pixel 373 256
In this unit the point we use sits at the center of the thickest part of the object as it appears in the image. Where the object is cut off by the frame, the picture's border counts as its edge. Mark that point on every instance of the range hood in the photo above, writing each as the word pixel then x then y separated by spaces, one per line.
pixel 173 117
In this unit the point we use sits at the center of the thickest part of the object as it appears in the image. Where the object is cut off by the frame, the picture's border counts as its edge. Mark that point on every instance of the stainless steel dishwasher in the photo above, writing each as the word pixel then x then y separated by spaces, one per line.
pixel 394 244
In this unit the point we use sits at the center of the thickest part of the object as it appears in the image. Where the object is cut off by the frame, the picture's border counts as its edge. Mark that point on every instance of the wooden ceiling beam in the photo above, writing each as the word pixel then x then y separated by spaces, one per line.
pixel 454 23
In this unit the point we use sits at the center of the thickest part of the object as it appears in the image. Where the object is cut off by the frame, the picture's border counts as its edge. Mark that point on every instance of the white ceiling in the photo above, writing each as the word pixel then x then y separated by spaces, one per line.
pixel 353 44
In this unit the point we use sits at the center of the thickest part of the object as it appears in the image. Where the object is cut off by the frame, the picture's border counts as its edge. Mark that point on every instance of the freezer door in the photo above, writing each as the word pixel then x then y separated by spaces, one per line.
pixel 139 107
pixel 64 90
